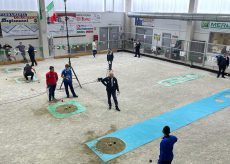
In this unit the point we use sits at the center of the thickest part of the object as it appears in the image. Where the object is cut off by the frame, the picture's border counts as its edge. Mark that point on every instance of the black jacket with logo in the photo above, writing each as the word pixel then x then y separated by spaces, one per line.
pixel 108 83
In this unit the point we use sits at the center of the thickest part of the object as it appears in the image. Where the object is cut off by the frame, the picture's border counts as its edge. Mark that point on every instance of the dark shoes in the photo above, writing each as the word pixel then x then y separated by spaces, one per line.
pixel 117 109
pixel 76 96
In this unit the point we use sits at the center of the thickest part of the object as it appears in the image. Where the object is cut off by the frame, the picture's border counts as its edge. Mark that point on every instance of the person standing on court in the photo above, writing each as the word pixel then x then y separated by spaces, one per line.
pixel 51 82
pixel 94 48
pixel 22 50
pixel 110 58
pixel 223 63
pixel 67 80
pixel 31 52
pixel 137 49
pixel 166 147
pixel 112 86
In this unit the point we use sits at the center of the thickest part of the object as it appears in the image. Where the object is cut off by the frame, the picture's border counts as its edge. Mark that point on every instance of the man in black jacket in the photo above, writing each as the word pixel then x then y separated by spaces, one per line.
pixel 28 71
pixel 223 63
pixel 31 52
pixel 110 58
pixel 137 49
pixel 111 87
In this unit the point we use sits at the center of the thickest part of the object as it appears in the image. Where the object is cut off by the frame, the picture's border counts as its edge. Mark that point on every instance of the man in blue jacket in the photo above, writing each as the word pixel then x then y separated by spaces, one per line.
pixel 67 79
pixel 166 147
pixel 223 63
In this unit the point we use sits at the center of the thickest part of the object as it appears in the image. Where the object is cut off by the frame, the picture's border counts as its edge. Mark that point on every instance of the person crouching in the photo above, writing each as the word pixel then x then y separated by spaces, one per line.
pixel 28 71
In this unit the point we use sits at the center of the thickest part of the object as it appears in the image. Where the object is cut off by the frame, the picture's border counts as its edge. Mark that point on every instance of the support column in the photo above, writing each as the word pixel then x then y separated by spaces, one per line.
pixel 43 33
pixel 128 21
pixel 191 24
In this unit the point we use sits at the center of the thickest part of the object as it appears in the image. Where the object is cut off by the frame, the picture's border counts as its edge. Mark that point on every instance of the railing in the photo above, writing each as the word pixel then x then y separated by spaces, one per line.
pixel 15 55
pixel 189 52
pixel 194 53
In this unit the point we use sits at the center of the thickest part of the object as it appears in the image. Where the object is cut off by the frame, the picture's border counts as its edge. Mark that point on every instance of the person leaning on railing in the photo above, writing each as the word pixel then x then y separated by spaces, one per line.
pixel 8 54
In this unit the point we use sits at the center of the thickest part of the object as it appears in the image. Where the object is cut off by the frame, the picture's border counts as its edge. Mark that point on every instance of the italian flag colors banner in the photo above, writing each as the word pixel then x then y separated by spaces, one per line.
pixel 51 12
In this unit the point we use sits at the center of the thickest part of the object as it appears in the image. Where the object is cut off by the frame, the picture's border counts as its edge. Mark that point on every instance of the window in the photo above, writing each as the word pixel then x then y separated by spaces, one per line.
pixel 19 5
pixel 178 6
pixel 216 7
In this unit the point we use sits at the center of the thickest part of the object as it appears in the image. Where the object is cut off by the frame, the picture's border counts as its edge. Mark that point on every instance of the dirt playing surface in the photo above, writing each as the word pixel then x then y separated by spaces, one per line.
pixel 110 145
pixel 66 109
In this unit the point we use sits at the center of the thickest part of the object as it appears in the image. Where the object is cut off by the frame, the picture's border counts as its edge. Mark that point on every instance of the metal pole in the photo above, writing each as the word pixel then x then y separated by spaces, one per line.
pixel 67 30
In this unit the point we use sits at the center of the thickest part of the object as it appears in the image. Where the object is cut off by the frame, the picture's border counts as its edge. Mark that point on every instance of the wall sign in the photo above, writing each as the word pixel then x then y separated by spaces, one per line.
pixel 19 23
pixel 77 24
pixel 144 22
pixel 88 18
pixel 215 25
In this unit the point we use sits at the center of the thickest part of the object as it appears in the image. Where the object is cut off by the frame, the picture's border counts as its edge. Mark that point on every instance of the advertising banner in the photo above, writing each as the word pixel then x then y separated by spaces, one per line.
pixel 215 25
pixel 19 23
pixel 78 24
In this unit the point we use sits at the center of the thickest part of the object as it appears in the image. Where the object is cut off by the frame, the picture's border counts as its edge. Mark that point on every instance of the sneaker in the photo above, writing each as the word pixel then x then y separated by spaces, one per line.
pixel 55 100
pixel 110 107
pixel 223 77
pixel 75 96
pixel 118 109
pixel 67 96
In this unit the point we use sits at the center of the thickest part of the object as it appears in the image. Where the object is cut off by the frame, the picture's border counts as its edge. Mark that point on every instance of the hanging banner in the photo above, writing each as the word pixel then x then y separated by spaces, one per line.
pixel 215 25
pixel 76 26
pixel 19 23
pixel 88 18
pixel 144 22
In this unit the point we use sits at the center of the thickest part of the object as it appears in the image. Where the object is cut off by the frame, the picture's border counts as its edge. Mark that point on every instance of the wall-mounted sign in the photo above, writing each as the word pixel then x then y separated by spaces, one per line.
pixel 215 25
pixel 19 23
pixel 144 22
pixel 88 18
pixel 77 24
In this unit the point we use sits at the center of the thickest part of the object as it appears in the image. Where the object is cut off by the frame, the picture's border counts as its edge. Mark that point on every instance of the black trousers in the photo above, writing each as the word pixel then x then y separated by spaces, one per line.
pixel 52 91
pixel 165 162
pixel 32 59
pixel 29 74
pixel 113 94
pixel 137 52
pixel 23 53
pixel 110 65
pixel 69 84
pixel 221 71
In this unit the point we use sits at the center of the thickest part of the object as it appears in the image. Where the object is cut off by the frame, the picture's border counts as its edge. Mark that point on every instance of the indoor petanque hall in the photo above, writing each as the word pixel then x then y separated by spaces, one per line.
pixel 114 82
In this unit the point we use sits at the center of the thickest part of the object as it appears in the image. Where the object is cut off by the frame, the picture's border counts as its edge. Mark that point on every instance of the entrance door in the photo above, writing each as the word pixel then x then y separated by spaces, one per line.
pixel 140 32
pixel 166 44
pixel 148 40
pixel 166 40
pixel 103 44
pixel 113 37
pixel 51 46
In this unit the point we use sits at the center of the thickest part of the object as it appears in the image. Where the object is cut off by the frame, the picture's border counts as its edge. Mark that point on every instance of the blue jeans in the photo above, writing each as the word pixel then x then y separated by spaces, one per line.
pixel 70 85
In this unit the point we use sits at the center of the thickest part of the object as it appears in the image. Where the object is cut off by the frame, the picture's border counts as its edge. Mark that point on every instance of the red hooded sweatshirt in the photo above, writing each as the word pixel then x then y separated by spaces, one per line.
pixel 51 78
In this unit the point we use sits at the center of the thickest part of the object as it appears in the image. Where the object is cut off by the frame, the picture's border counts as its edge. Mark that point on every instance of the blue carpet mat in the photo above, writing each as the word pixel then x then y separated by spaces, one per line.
pixel 144 132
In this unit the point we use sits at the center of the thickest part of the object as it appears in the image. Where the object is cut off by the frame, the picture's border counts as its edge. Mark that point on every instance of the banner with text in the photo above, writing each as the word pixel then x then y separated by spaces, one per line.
pixel 78 24
pixel 19 23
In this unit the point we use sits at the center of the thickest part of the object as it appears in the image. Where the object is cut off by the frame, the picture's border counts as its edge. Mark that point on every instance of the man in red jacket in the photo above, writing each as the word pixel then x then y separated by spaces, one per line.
pixel 51 82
